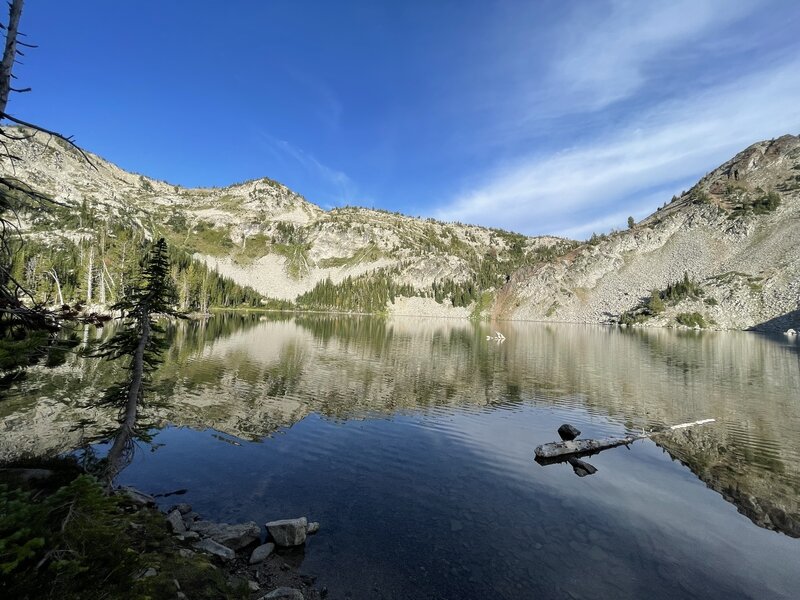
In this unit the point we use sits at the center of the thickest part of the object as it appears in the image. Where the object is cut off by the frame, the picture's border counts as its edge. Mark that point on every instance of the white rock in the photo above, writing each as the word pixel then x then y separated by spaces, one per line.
pixel 288 532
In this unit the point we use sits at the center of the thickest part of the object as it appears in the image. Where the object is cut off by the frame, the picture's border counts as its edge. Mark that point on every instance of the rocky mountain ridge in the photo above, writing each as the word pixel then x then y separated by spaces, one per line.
pixel 733 239
pixel 263 235
pixel 735 236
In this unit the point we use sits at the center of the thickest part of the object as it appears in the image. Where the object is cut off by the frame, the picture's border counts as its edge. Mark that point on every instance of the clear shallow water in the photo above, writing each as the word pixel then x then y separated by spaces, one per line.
pixel 412 441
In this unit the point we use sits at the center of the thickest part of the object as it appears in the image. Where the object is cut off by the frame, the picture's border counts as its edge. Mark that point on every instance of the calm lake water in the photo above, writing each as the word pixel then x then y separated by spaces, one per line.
pixel 412 442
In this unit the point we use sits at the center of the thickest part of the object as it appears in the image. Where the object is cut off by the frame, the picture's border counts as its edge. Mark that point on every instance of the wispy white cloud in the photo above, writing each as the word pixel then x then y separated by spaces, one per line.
pixel 340 188
pixel 670 142
pixel 607 53
pixel 325 104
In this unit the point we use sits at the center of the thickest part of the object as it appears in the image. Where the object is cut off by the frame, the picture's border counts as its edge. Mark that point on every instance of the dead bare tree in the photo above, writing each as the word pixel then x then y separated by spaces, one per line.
pixel 19 313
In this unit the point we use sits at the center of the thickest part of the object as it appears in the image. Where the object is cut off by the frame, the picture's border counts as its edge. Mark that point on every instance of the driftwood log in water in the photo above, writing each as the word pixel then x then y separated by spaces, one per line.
pixel 568 448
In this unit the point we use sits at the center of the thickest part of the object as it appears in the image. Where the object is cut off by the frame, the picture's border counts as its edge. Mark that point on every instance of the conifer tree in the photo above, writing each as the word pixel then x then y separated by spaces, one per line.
pixel 140 338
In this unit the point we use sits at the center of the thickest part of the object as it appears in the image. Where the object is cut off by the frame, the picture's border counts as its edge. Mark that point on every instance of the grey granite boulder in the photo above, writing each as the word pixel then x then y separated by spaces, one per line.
pixel 234 537
pixel 216 549
pixel 284 593
pixel 288 532
pixel 176 522
pixel 183 508
pixel 261 553
pixel 312 528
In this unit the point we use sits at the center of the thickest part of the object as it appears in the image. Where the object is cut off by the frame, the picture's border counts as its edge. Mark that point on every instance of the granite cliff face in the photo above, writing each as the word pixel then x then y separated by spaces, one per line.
pixel 735 236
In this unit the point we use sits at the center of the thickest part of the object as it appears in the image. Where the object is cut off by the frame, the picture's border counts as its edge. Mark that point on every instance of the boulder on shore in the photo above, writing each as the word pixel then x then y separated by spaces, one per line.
pixel 212 547
pixel 288 532
pixel 234 537
pixel 284 593
pixel 183 508
pixel 261 553
pixel 175 521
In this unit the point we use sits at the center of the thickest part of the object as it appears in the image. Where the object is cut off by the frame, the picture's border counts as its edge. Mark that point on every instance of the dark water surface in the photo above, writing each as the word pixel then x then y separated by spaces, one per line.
pixel 412 441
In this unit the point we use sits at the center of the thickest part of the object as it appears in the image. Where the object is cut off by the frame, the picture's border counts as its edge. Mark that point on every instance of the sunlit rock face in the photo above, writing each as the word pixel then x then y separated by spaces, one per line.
pixel 744 253
pixel 746 257
pixel 260 233
pixel 248 377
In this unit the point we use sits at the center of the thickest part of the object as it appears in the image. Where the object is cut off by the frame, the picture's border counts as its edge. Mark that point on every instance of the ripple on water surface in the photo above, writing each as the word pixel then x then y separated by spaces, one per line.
pixel 412 442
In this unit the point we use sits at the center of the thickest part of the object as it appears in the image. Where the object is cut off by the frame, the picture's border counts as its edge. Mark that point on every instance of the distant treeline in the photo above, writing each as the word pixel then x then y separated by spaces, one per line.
pixel 368 293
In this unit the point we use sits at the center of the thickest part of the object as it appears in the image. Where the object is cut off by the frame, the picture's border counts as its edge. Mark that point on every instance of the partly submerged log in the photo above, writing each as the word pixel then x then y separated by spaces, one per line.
pixel 567 448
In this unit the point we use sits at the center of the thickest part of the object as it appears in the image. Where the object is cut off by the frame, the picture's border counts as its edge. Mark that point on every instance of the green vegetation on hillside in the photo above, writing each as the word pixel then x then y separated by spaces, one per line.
pixel 494 269
pixel 763 203
pixel 693 319
pixel 659 300
pixel 367 293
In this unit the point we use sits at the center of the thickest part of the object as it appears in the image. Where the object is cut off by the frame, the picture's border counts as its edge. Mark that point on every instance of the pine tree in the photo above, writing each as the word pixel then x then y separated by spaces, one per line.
pixel 141 339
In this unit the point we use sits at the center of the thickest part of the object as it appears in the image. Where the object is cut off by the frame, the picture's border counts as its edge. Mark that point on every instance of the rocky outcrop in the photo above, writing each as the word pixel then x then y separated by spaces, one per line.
pixel 288 532
pixel 234 537
pixel 725 233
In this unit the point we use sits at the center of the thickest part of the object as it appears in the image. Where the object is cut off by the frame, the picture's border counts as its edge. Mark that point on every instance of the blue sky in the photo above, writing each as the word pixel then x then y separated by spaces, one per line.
pixel 542 117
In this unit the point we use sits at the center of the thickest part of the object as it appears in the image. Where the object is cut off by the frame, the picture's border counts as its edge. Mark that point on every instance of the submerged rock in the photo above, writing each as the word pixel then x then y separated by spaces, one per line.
pixel 212 547
pixel 288 532
pixel 261 553
pixel 284 593
pixel 568 432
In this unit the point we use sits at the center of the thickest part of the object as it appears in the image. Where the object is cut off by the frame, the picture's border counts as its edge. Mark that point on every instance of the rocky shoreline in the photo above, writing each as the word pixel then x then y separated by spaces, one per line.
pixel 261 560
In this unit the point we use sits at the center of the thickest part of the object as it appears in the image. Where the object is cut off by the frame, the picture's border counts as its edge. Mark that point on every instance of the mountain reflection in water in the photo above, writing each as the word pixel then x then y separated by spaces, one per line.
pixel 412 441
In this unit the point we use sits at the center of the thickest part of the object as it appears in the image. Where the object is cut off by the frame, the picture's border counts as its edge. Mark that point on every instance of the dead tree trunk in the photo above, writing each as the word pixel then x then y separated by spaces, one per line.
pixel 10 52
pixel 89 277
pixel 54 275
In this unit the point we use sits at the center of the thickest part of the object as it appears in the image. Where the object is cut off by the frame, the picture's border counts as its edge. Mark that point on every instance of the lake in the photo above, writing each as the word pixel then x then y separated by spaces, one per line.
pixel 412 442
